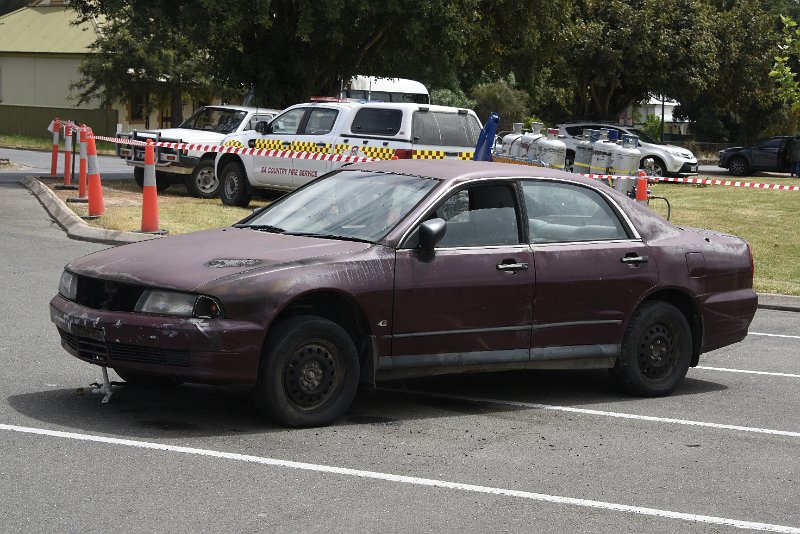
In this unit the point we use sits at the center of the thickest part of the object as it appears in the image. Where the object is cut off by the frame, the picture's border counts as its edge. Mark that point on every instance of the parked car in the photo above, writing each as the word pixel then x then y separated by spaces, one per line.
pixel 333 126
pixel 668 160
pixel 409 268
pixel 194 168
pixel 766 155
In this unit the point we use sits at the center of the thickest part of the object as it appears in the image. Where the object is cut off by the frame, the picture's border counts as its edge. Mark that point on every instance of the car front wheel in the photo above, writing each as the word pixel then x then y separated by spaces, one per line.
pixel 656 350
pixel 233 187
pixel 203 183
pixel 308 374
pixel 738 167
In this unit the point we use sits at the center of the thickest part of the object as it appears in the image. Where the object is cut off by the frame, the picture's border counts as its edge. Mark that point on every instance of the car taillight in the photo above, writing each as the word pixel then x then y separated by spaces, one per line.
pixel 403 153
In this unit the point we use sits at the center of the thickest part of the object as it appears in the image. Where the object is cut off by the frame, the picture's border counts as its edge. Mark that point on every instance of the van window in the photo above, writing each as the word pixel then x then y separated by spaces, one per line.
pixel 444 129
pixel 377 121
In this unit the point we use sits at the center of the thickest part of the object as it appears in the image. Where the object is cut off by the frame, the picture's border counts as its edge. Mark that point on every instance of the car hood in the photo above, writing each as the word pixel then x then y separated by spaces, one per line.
pixel 186 134
pixel 189 261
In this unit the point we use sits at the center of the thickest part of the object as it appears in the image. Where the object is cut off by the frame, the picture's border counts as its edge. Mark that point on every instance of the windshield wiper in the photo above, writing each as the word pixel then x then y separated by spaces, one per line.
pixel 332 236
pixel 261 227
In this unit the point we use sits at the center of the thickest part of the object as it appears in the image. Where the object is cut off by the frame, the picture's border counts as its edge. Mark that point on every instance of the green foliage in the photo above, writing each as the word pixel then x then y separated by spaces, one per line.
pixel 451 97
pixel 652 125
pixel 503 98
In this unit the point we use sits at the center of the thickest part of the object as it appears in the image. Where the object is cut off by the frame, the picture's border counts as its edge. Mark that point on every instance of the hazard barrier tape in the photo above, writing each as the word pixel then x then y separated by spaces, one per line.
pixel 273 153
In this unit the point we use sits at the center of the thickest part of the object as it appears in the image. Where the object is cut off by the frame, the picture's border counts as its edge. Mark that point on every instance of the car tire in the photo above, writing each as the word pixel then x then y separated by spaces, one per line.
pixel 143 381
pixel 308 374
pixel 656 351
pixel 138 176
pixel 203 182
pixel 659 169
pixel 233 186
pixel 738 166
pixel 163 180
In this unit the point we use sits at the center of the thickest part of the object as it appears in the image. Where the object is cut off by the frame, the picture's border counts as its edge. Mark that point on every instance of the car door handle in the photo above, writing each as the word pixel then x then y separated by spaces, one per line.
pixel 512 267
pixel 321 144
pixel 286 143
pixel 636 260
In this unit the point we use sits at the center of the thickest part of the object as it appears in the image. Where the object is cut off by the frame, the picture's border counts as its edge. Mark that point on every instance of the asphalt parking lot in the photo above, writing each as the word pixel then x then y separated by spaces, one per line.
pixel 507 452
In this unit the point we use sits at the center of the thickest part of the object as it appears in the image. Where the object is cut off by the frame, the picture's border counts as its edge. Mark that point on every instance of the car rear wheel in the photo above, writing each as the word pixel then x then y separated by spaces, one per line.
pixel 738 167
pixel 233 187
pixel 656 350
pixel 308 374
pixel 203 183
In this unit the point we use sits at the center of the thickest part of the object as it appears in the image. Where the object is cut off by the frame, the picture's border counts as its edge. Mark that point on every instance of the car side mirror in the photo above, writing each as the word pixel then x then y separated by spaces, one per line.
pixel 262 127
pixel 430 233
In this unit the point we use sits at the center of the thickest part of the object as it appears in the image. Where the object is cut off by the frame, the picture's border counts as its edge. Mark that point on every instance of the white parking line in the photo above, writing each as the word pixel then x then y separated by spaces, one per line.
pixel 541 497
pixel 772 335
pixel 585 411
pixel 747 371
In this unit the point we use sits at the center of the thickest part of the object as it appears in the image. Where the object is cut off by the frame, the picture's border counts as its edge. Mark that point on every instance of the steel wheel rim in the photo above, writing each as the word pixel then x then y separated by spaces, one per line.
pixel 231 184
pixel 657 352
pixel 207 181
pixel 312 375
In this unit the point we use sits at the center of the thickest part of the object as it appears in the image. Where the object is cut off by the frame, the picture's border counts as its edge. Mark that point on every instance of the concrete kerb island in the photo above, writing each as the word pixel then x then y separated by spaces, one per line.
pixel 76 228
pixel 73 225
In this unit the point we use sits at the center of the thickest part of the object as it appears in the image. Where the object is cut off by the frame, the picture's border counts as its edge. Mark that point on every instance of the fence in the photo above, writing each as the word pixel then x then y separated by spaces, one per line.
pixel 28 120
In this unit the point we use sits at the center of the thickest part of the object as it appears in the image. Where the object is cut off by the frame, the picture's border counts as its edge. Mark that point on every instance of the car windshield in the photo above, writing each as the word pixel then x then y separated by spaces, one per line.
pixel 350 205
pixel 646 137
pixel 219 120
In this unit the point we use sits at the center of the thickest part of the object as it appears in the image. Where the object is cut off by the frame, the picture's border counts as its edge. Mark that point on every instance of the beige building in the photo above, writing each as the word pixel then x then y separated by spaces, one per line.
pixel 40 51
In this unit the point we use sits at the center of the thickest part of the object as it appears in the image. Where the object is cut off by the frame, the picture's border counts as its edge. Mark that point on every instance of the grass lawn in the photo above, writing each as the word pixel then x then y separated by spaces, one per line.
pixel 769 220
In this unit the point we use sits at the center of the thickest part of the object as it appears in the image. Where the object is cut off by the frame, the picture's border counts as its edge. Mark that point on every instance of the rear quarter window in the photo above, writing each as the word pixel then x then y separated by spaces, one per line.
pixel 444 129
pixel 377 121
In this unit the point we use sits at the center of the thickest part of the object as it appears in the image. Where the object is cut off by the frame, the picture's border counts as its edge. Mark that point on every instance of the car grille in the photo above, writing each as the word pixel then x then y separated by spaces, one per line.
pixel 108 353
pixel 105 295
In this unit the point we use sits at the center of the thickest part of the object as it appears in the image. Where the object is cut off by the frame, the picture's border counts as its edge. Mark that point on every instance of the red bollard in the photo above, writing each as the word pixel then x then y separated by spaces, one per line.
pixel 96 204
pixel 67 157
pixel 150 192
pixel 56 125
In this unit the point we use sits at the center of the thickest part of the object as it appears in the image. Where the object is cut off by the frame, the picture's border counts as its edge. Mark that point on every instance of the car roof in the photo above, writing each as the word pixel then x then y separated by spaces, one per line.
pixel 243 108
pixel 462 171
pixel 351 104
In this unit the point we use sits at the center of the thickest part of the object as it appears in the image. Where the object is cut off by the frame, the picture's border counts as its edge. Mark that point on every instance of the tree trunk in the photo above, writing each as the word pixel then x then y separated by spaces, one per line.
pixel 177 107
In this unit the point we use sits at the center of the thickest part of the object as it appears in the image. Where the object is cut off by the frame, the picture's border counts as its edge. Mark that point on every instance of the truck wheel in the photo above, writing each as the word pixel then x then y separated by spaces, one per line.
pixel 138 176
pixel 203 183
pixel 308 374
pixel 163 179
pixel 233 186
pixel 656 351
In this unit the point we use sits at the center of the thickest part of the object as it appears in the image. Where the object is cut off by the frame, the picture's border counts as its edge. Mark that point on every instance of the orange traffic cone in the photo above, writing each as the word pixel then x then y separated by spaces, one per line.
pixel 150 192
pixel 56 129
pixel 641 190
pixel 96 204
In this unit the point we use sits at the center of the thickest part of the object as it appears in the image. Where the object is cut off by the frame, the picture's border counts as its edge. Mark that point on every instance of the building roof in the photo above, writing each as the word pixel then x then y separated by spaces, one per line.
pixel 45 27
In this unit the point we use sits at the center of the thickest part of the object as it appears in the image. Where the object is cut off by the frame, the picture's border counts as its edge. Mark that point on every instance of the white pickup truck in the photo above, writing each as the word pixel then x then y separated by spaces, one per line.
pixel 333 126
pixel 208 126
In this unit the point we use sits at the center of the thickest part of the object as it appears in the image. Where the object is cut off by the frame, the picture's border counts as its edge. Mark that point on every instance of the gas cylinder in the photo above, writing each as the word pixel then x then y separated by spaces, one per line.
pixel 522 150
pixel 626 163
pixel 550 150
pixel 583 151
pixel 510 139
pixel 601 152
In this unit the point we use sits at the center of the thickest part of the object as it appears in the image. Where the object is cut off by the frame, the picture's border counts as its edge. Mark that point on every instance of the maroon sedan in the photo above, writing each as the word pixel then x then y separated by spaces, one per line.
pixel 410 268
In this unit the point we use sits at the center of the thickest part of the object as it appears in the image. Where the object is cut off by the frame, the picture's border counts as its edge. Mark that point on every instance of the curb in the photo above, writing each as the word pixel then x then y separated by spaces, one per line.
pixel 73 225
pixel 77 228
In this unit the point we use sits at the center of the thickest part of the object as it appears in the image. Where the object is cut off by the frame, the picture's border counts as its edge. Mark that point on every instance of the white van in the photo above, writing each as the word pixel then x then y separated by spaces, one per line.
pixel 371 129
pixel 375 89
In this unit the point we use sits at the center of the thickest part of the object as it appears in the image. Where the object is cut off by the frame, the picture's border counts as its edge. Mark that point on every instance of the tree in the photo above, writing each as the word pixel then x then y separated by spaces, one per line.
pixel 502 97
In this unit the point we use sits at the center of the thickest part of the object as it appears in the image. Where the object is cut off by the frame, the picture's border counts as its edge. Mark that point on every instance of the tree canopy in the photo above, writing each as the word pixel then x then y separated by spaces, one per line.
pixel 582 58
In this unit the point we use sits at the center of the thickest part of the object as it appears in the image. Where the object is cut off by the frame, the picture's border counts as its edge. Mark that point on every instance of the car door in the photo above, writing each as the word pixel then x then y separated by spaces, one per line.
pixel 470 303
pixel 765 154
pixel 281 133
pixel 591 270
pixel 315 137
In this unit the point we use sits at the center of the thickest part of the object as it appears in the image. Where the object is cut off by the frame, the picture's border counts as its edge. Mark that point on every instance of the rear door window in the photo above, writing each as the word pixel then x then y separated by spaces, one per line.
pixel 371 121
pixel 439 128
pixel 320 121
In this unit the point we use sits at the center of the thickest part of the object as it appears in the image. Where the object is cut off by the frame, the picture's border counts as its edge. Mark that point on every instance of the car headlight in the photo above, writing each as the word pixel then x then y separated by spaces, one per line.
pixel 68 285
pixel 685 154
pixel 180 304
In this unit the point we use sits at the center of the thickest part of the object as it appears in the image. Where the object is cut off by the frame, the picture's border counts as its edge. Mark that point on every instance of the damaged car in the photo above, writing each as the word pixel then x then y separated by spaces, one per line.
pixel 409 268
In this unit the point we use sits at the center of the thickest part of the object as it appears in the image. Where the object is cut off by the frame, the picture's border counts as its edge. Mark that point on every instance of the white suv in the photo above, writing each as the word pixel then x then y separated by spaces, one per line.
pixel 337 127
pixel 668 160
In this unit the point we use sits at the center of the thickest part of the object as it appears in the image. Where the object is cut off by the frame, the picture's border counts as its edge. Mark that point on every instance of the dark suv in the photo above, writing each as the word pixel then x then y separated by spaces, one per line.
pixel 766 155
